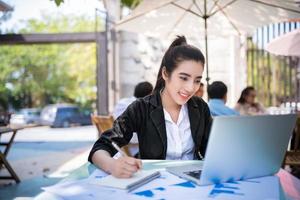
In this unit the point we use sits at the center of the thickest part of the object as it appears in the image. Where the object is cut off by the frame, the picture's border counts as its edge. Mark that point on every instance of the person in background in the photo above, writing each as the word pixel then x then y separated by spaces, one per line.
pixel 217 94
pixel 141 90
pixel 171 123
pixel 200 92
pixel 246 104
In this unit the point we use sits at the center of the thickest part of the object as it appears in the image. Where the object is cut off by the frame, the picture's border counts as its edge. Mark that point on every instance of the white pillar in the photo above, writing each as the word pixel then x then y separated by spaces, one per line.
pixel 113 10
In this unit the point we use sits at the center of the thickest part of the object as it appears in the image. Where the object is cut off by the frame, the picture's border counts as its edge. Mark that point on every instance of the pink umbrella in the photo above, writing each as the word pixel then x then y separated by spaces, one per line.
pixel 286 45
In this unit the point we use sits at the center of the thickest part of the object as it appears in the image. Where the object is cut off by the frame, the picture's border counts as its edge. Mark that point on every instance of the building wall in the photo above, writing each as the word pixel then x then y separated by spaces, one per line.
pixel 140 59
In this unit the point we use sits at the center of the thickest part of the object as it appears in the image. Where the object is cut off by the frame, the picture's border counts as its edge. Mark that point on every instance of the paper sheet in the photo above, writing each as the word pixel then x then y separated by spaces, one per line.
pixel 139 178
pixel 169 186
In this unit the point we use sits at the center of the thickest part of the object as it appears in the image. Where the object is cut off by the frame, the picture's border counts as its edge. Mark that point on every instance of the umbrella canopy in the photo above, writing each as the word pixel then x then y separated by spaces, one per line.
pixel 198 19
pixel 5 7
pixel 286 45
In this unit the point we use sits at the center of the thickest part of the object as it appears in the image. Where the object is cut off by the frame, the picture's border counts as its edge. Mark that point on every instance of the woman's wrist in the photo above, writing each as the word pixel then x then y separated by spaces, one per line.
pixel 108 165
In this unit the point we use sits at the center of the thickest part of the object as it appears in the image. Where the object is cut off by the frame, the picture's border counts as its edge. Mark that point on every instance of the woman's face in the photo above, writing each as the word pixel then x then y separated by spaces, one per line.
pixel 250 98
pixel 184 81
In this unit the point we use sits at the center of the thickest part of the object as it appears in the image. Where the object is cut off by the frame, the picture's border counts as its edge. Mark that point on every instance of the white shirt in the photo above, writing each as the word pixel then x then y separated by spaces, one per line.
pixel 179 137
pixel 121 106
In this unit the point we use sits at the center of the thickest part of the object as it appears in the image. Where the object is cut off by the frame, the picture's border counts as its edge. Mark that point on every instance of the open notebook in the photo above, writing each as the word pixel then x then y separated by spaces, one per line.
pixel 140 178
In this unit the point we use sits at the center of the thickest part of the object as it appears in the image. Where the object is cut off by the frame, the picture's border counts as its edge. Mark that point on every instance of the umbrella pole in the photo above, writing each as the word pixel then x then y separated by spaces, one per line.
pixel 206 52
pixel 205 17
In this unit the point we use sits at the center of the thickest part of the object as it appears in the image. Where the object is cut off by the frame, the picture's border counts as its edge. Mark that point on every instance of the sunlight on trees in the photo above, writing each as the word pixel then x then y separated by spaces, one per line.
pixel 36 75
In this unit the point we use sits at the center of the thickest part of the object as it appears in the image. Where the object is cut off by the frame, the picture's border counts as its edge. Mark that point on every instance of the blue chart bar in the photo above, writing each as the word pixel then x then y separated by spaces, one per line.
pixel 146 193
pixel 187 184
pixel 220 185
pixel 149 193
pixel 224 189
pixel 221 188
pixel 160 189
pixel 233 182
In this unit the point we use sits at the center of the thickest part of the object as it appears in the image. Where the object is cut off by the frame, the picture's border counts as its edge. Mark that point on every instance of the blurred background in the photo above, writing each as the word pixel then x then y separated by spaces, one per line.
pixel 63 60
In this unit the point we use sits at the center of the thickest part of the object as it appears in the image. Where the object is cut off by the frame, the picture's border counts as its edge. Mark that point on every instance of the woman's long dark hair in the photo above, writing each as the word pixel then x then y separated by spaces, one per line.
pixel 245 93
pixel 177 52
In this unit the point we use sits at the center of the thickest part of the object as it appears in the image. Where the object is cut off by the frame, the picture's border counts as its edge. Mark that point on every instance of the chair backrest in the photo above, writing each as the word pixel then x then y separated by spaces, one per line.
pixel 292 157
pixel 296 145
pixel 106 122
pixel 102 122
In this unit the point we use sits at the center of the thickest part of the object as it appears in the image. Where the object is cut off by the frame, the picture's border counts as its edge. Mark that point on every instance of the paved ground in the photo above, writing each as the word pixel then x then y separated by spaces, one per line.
pixel 42 156
pixel 46 134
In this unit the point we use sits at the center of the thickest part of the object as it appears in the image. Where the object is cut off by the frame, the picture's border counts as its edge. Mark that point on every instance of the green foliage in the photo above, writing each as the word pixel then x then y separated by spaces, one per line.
pixel 130 3
pixel 59 23
pixel 35 75
pixel 58 2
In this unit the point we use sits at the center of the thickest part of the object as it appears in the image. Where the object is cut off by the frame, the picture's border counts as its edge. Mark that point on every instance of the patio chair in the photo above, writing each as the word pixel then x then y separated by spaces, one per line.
pixel 106 122
pixel 3 154
pixel 102 123
pixel 292 157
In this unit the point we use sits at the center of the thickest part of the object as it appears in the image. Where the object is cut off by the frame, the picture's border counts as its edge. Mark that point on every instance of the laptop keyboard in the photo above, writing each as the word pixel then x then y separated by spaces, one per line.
pixel 196 174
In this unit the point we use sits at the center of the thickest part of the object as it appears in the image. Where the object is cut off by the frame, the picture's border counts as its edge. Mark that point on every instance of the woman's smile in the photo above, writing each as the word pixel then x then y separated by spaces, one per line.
pixel 184 96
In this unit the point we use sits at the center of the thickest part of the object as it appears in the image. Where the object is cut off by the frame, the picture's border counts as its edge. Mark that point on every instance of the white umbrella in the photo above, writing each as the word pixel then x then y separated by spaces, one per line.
pixel 197 19
pixel 286 45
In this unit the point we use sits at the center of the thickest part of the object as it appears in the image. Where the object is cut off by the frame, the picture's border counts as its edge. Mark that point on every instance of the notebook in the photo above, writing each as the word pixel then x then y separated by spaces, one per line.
pixel 138 179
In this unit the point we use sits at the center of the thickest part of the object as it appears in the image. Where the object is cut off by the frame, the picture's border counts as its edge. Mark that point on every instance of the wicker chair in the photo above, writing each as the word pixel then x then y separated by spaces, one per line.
pixel 102 123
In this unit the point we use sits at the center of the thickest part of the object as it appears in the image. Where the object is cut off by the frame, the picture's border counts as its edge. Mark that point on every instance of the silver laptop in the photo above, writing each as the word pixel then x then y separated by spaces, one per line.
pixel 240 148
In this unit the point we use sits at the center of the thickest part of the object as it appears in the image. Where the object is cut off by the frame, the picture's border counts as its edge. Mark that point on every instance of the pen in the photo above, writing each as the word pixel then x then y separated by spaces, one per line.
pixel 201 157
pixel 122 152
pixel 119 149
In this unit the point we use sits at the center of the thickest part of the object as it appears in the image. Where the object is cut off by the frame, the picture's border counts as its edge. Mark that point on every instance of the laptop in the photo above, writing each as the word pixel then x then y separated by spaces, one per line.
pixel 241 147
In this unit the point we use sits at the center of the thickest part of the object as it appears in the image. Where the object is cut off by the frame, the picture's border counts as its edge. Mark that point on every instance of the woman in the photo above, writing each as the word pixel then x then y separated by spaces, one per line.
pixel 170 123
pixel 246 104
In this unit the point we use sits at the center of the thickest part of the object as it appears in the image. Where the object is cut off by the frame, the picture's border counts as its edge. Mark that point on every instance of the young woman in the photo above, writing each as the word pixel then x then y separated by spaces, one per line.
pixel 246 104
pixel 170 123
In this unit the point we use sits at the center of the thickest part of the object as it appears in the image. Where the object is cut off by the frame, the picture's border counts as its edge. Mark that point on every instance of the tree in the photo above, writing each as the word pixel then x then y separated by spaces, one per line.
pixel 35 75
pixel 130 3
pixel 58 2
pixel 127 3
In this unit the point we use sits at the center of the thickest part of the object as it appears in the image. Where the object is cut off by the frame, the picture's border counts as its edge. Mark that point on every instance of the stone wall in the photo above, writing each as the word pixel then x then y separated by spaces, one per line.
pixel 140 58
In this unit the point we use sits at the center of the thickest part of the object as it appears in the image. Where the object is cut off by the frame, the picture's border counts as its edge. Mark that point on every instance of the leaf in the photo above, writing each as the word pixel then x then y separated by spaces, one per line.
pixel 58 2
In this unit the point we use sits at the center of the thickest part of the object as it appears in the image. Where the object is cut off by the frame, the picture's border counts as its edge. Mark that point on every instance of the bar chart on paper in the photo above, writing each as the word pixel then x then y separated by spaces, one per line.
pixel 261 188
pixel 169 186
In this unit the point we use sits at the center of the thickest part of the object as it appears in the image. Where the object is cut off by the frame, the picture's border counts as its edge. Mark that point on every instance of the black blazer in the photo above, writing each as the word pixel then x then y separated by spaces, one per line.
pixel 146 117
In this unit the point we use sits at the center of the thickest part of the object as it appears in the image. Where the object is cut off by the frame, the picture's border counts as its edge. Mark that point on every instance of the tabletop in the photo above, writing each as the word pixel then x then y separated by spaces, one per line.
pixel 290 185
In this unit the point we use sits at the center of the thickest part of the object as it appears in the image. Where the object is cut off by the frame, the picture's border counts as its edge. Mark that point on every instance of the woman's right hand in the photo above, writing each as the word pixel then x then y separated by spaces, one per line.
pixel 125 167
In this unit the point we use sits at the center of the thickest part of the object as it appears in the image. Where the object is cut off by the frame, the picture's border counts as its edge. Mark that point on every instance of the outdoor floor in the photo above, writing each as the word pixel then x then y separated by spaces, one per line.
pixel 43 156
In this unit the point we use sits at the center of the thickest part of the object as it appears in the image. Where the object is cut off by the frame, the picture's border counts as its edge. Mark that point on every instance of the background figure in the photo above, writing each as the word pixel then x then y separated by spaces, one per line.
pixel 246 104
pixel 141 90
pixel 200 91
pixel 217 94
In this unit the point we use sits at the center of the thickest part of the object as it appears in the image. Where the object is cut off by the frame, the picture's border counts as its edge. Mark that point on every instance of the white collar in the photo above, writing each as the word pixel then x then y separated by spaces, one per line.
pixel 182 115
